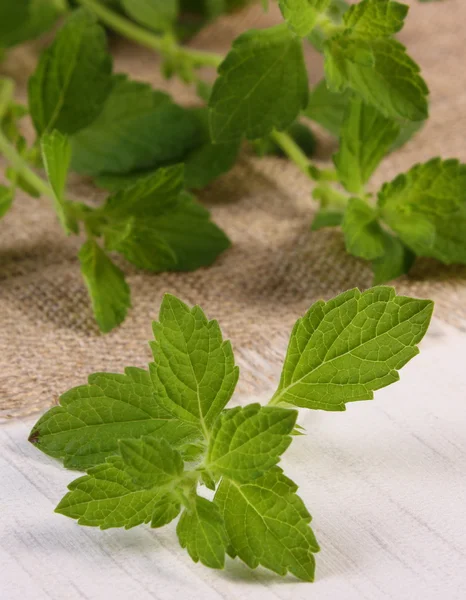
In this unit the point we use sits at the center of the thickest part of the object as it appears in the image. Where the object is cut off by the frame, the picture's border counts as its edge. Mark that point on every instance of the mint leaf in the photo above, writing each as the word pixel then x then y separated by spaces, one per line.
pixel 137 129
pixel 73 77
pixel 375 18
pixel 247 442
pixel 106 284
pixel 6 199
pixel 85 429
pixel 151 461
pixel 302 15
pixel 165 510
pixel 193 372
pixel 380 71
pixel 345 349
pixel 110 496
pixel 332 207
pixel 201 531
pixel 39 18
pixel 12 16
pixel 327 108
pixel 158 15
pixel 396 260
pixel 364 236
pixel 426 207
pixel 56 155
pixel 158 227
pixel 262 85
pixel 267 524
pixel 366 137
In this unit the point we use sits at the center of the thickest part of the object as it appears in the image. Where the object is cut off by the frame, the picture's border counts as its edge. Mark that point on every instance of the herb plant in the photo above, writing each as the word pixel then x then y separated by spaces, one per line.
pixel 151 153
pixel 151 440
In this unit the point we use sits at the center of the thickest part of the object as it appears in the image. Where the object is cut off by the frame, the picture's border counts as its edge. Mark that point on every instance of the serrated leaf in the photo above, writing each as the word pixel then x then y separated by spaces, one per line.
pixel 56 156
pixel 151 461
pixel 363 234
pixel 366 137
pixel 138 128
pixel 85 428
pixel 127 490
pixel 73 77
pixel 158 15
pixel 302 15
pixel 375 18
pixel 194 372
pixel 426 207
pixel 262 85
pixel 327 108
pixel 201 531
pixel 106 284
pixel 345 349
pixel 158 227
pixel 246 442
pixel 381 72
pixel 267 524
pixel 396 260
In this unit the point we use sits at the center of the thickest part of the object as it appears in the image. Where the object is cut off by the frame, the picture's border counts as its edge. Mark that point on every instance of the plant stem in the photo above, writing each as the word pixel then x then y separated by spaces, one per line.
pixel 292 150
pixel 21 166
pixel 165 45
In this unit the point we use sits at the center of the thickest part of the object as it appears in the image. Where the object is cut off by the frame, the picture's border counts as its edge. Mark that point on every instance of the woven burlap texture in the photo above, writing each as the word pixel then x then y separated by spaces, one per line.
pixel 275 269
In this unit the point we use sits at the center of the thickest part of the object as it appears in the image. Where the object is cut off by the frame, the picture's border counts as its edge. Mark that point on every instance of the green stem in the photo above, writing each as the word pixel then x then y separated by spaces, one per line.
pixel 292 150
pixel 21 166
pixel 165 45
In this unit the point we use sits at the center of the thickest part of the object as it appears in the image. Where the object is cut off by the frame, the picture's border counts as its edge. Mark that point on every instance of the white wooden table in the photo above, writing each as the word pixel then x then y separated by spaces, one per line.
pixel 385 482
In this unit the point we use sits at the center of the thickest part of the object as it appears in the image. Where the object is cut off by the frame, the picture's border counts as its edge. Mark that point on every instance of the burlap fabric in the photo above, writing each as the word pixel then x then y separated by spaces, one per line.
pixel 276 268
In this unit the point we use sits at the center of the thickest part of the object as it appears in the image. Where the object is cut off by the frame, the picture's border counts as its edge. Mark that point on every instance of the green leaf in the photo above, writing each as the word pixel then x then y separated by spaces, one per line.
pixel 247 442
pixel 137 129
pixel 332 207
pixel 111 496
pixel 302 15
pixel 396 260
pixel 85 428
pixel 426 207
pixel 158 227
pixel 12 16
pixel 158 15
pixel 375 18
pixel 381 72
pixel 106 284
pixel 363 234
pixel 56 156
pixel 73 77
pixel 40 17
pixel 366 137
pixel 194 372
pixel 262 85
pixel 151 461
pixel 267 524
pixel 6 199
pixel 165 510
pixel 300 133
pixel 327 108
pixel 345 349
pixel 201 531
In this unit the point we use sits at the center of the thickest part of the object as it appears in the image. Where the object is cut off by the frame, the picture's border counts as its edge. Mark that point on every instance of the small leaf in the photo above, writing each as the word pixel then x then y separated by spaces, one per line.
pixel 375 18
pixel 332 207
pixel 267 524
pixel 73 77
pixel 247 442
pixel 108 290
pixel 366 137
pixel 327 108
pixel 381 72
pixel 262 85
pixel 363 234
pixel 194 372
pixel 56 155
pixel 396 260
pixel 345 349
pixel 201 531
pixel 85 428
pixel 302 15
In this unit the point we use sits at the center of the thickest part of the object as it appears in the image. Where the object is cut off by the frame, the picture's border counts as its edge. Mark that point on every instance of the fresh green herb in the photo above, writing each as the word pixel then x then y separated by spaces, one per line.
pixel 150 440
pixel 150 153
